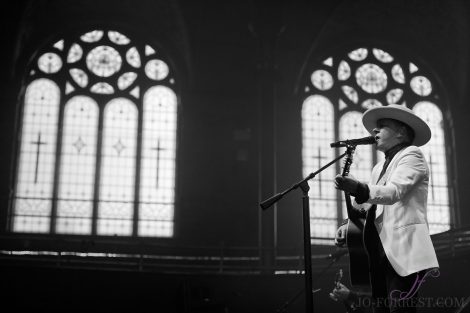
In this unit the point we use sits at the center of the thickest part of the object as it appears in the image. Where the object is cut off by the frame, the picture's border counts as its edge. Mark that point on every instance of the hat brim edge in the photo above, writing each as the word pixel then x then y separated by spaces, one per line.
pixel 421 129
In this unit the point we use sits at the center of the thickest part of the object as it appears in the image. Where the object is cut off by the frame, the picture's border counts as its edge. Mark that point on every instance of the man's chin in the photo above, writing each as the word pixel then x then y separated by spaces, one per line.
pixel 379 148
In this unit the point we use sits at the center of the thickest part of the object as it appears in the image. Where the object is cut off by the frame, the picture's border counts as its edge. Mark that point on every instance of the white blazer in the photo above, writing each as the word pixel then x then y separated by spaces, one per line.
pixel 401 198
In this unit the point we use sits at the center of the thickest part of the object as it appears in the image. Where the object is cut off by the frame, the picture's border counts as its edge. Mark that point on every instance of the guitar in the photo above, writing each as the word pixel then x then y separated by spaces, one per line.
pixel 358 259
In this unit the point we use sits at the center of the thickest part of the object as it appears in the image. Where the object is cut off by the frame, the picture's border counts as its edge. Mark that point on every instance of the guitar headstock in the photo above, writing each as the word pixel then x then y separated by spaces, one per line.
pixel 348 160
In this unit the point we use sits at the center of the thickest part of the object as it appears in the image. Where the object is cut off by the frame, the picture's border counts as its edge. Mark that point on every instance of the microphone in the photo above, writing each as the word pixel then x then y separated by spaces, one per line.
pixel 337 254
pixel 353 142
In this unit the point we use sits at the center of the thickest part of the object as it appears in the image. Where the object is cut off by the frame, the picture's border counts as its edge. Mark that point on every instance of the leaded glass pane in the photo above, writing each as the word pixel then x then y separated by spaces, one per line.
pixel 156 69
pixel 104 61
pixel 133 57
pixel 116 196
pixel 149 50
pixel 371 103
pixel 49 63
pixel 318 133
pixel 350 126
pixel 322 80
pixel 157 178
pixel 118 38
pixel 35 180
pixel 394 95
pixel 382 56
pixel 59 45
pixel 92 36
pixel 77 170
pixel 421 86
pixel 75 53
pixel 398 74
pixel 126 79
pixel 358 54
pixel 328 62
pixel 351 93
pixel 344 71
pixel 68 88
pixel 371 78
pixel 135 92
pixel 435 153
pixel 79 76
pixel 413 68
pixel 102 88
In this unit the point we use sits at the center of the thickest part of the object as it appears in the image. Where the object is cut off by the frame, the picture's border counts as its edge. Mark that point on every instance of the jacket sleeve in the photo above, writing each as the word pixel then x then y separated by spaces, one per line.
pixel 410 170
pixel 363 206
pixel 360 209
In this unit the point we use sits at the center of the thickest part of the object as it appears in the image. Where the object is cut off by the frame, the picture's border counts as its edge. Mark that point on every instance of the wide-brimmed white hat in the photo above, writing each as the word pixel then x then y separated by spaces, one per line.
pixel 400 113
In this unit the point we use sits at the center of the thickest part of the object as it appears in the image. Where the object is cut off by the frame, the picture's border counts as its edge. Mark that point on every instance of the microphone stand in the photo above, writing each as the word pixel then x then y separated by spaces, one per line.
pixel 303 184
pixel 283 308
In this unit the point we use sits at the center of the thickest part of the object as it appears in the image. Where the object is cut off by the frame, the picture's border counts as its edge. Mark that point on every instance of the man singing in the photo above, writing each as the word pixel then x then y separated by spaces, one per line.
pixel 396 233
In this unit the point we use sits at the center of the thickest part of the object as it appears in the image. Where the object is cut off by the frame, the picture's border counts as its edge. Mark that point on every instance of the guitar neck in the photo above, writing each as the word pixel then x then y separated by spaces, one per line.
pixel 347 165
pixel 347 198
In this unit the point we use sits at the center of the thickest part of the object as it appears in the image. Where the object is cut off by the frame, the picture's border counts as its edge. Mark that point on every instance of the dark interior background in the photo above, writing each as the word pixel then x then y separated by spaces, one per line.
pixel 240 68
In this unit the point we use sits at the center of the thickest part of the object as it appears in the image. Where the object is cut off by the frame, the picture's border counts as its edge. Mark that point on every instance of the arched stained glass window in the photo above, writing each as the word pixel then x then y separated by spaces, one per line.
pixel 78 164
pixel 97 153
pixel 157 179
pixel 435 152
pixel 115 210
pixel 354 82
pixel 35 178
pixel 318 131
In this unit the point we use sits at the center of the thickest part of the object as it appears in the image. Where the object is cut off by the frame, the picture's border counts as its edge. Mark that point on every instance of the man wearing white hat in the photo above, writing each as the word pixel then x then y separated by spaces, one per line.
pixel 396 234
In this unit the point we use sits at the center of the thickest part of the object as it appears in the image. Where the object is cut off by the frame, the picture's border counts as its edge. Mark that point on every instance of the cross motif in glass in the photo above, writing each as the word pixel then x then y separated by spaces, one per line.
pixel 319 157
pixel 118 146
pixel 38 145
pixel 79 144
pixel 158 149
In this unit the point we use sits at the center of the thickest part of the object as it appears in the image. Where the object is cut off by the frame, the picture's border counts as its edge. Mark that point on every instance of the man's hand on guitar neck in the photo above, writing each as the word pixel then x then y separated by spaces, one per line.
pixel 353 187
pixel 346 183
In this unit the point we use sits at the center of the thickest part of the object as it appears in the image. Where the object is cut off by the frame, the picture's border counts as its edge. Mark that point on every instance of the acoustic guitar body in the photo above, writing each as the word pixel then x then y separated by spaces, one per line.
pixel 358 258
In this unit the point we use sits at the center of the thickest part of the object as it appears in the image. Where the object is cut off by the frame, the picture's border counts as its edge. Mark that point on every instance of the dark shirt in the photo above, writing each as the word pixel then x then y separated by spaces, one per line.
pixel 362 191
